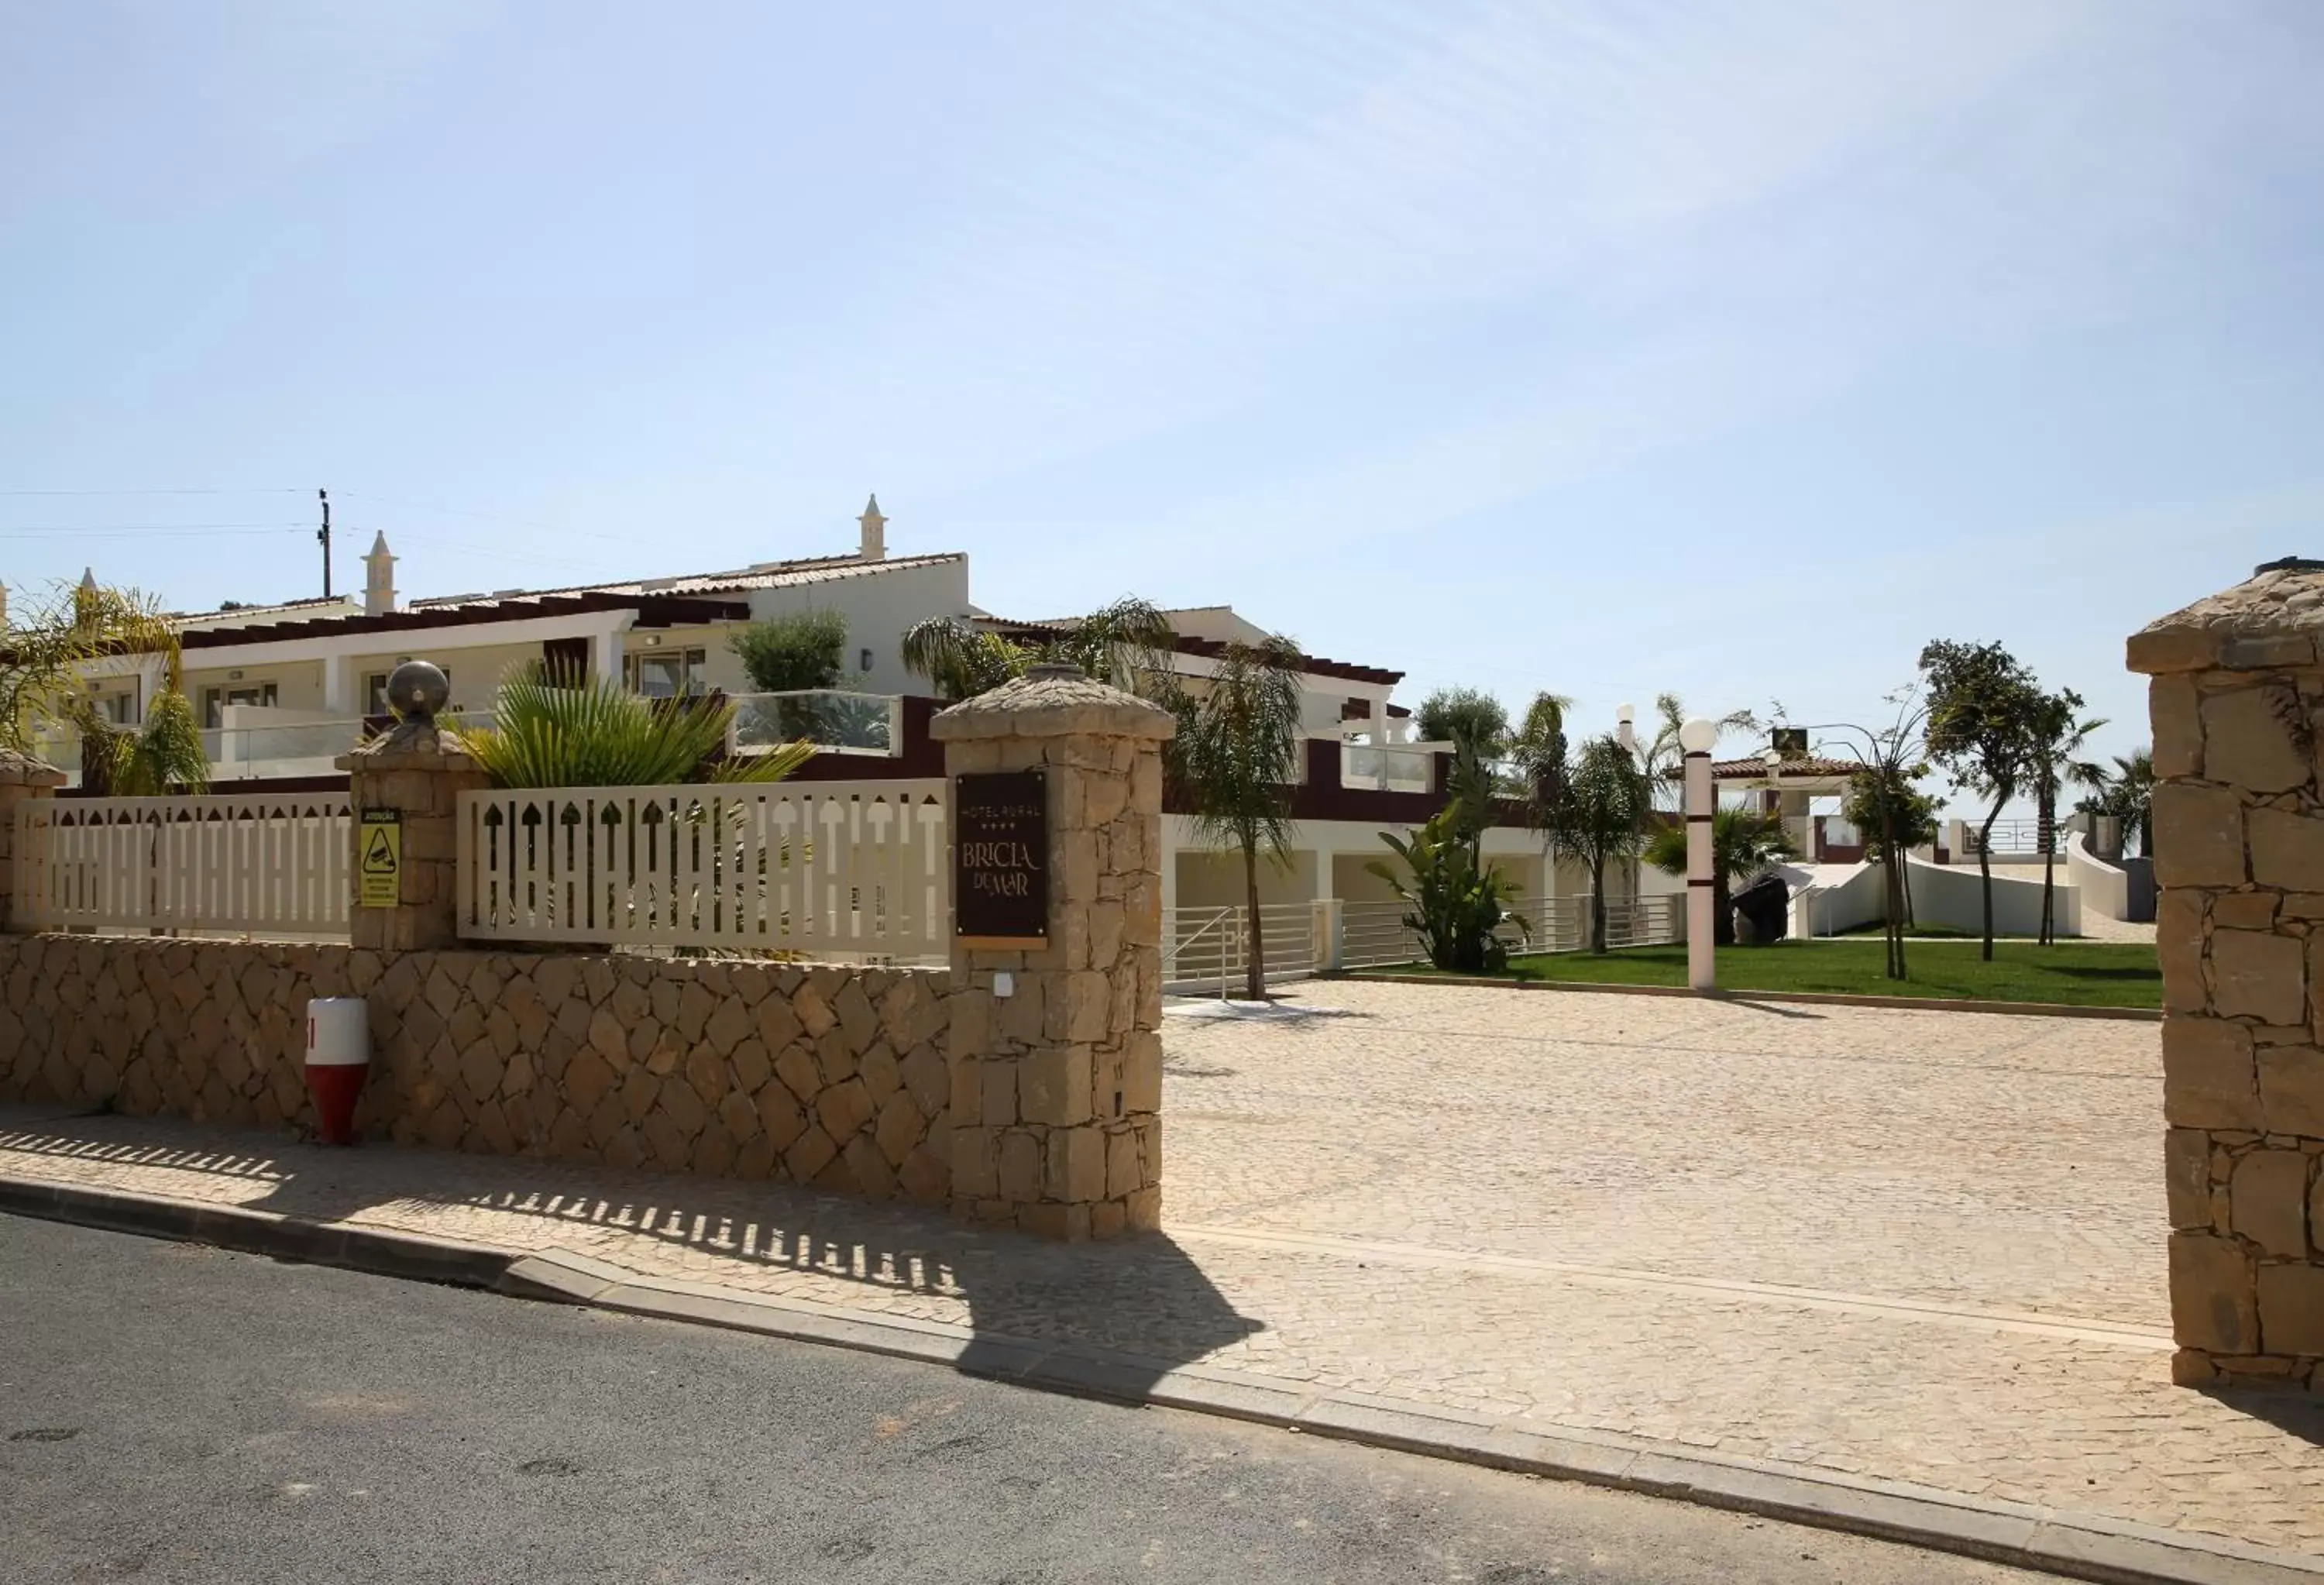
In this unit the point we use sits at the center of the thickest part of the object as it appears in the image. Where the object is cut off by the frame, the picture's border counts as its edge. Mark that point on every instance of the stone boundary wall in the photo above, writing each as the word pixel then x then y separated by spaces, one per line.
pixel 830 1075
pixel 2237 705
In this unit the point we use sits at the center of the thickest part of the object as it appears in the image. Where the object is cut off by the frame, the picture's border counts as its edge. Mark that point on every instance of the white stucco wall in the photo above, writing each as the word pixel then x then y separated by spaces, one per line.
pixel 877 610
pixel 1950 895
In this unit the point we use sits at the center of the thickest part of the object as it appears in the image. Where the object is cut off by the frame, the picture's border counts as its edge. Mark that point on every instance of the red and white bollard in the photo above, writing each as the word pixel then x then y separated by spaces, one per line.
pixel 339 1058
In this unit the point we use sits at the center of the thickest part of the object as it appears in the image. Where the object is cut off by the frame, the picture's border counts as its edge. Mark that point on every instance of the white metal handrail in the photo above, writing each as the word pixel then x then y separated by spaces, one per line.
pixel 1176 949
pixel 1286 932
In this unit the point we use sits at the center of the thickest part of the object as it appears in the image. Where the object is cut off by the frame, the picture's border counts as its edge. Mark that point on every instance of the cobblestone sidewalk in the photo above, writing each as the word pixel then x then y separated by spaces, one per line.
pixel 1924 1247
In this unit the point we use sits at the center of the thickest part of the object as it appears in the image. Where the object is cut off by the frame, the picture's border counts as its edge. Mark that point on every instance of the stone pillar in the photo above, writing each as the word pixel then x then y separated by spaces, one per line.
pixel 1057 1087
pixel 22 777
pixel 2237 701
pixel 418 772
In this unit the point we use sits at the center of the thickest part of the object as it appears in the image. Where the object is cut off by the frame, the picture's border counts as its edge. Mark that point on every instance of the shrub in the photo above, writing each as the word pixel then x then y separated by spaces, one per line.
pixel 1456 908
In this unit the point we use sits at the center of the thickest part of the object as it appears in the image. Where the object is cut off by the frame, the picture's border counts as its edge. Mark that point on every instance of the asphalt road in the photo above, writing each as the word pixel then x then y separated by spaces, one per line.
pixel 170 1413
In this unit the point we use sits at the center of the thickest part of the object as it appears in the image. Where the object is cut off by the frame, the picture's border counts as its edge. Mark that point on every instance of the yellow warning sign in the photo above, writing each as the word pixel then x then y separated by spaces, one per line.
pixel 379 871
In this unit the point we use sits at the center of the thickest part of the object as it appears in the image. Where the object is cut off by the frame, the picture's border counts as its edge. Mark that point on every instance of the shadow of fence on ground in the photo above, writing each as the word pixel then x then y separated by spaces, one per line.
pixel 1142 1300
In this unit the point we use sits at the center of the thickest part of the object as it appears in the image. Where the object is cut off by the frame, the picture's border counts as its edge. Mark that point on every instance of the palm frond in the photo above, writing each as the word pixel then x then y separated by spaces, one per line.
pixel 557 729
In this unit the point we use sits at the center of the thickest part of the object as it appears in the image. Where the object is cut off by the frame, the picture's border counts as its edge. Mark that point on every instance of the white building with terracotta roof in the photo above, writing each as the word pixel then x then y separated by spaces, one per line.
pixel 282 690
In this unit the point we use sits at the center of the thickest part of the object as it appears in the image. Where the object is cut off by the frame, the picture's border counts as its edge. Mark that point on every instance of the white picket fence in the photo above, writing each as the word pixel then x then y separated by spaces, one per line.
pixel 830 869
pixel 254 865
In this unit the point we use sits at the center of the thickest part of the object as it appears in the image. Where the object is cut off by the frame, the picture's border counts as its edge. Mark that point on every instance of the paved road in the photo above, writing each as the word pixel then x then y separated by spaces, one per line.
pixel 176 1414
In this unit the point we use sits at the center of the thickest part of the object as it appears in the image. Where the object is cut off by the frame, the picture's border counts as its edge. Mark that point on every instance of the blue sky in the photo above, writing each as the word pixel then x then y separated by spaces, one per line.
pixel 1610 347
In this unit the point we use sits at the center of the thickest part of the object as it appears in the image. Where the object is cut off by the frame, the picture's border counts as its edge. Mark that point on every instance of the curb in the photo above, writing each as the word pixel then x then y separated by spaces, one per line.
pixel 1935 1004
pixel 2083 1547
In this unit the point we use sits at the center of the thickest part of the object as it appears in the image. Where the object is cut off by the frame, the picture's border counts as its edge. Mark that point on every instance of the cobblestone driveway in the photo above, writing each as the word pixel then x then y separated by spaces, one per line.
pixel 1919 1246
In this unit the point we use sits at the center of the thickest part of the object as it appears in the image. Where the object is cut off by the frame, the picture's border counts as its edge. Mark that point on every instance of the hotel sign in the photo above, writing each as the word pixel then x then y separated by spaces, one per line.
pixel 1001 858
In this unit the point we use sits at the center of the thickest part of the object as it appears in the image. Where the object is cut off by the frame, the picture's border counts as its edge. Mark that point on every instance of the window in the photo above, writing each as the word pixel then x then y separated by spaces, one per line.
pixel 216 700
pixel 115 702
pixel 668 674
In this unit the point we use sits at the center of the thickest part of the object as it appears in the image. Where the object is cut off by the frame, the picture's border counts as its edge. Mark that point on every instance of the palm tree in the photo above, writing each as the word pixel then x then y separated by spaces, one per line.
pixel 1123 643
pixel 1233 762
pixel 1665 760
pixel 2125 793
pixel 1537 757
pixel 1743 842
pixel 39 685
pixel 1126 643
pixel 2053 736
pixel 1597 813
pixel 165 755
pixel 960 661
pixel 557 729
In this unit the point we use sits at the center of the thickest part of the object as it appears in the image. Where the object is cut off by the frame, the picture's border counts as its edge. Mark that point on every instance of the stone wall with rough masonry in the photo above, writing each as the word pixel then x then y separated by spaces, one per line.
pixel 2238 703
pixel 1066 1068
pixel 837 1076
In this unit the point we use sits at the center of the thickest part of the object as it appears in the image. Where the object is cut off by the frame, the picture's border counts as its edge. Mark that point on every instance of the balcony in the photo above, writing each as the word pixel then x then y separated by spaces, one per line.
pixel 1406 768
pixel 256 743
pixel 835 721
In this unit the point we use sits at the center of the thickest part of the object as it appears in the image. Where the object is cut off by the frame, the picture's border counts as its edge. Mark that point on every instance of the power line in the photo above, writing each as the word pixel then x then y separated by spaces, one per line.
pixel 461 548
pixel 490 517
pixel 139 530
pixel 268 491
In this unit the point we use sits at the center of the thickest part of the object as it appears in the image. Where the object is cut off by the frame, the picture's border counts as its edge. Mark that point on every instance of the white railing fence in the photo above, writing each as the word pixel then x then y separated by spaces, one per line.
pixel 1373 935
pixel 1562 924
pixel 832 868
pixel 1209 949
pixel 276 866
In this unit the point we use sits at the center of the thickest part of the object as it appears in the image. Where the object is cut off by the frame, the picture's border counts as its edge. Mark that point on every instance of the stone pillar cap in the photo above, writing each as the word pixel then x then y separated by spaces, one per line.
pixel 2272 618
pixel 1052 701
pixel 17 769
pixel 410 745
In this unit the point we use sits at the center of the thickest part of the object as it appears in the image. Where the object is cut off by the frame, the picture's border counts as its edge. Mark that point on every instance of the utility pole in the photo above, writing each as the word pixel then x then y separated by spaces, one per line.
pixel 322 535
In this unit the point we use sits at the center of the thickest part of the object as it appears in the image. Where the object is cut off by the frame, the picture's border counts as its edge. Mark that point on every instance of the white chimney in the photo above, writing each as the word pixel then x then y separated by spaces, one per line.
pixel 875 531
pixel 4 606
pixel 379 578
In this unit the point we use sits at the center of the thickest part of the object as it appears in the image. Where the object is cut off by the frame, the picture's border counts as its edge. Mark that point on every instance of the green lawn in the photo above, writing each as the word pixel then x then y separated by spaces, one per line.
pixel 2075 973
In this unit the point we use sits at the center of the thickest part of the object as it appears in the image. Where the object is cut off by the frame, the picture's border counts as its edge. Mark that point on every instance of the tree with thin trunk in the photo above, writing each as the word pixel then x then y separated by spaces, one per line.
pixel 1895 816
pixel 1980 700
pixel 1233 762
pixel 1599 813
pixel 2054 735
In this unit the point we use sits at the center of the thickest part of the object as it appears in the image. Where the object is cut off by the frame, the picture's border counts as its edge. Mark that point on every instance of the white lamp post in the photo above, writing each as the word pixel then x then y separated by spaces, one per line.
pixel 1701 924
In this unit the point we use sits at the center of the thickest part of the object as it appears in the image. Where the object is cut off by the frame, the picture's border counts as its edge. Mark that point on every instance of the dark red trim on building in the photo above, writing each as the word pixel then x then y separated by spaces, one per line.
pixel 1209 649
pixel 653 611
